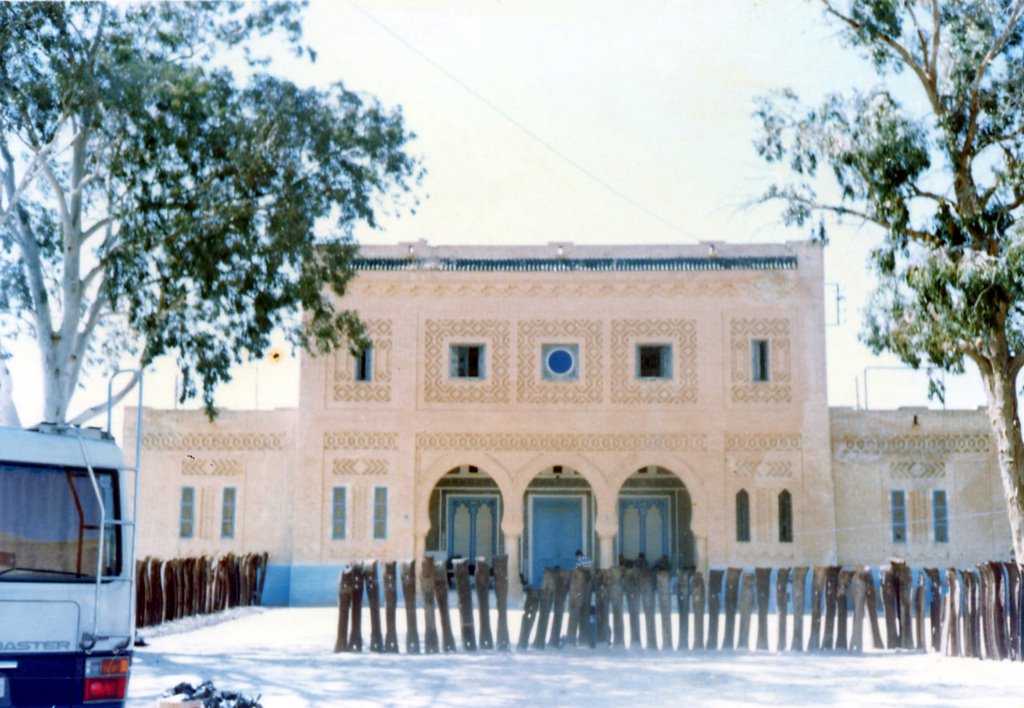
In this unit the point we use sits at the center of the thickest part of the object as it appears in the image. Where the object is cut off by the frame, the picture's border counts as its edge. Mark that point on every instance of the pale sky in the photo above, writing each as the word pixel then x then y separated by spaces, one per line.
pixel 599 121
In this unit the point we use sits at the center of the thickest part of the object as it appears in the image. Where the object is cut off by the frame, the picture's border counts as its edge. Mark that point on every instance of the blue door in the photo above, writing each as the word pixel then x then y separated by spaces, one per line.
pixel 556 534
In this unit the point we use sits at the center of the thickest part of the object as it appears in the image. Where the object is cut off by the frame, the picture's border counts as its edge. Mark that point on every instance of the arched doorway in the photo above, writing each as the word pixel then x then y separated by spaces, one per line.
pixel 558 508
pixel 655 514
pixel 465 515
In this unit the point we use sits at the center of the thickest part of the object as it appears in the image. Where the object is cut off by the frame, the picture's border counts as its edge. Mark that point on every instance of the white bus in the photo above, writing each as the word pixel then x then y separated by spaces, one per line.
pixel 67 567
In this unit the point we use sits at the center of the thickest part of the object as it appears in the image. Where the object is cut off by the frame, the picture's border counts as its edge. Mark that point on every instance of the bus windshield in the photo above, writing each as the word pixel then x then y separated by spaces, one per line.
pixel 50 524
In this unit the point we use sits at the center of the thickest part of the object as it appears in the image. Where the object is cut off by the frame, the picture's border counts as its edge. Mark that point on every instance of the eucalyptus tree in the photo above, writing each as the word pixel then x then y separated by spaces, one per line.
pixel 933 156
pixel 152 202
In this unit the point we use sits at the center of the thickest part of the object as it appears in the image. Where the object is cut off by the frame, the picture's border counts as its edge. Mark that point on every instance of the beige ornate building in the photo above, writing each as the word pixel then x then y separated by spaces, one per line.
pixel 536 401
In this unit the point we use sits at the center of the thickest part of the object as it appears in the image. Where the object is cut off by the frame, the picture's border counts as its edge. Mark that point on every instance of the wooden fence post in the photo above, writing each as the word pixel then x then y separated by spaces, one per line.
pixel 683 580
pixel 888 583
pixel 577 580
pixel 441 595
pixel 664 582
pixel 483 592
pixel 763 577
pixel 715 578
pixel 547 595
pixel 845 576
pixel 373 597
pixel 631 584
pixel 561 594
pixel 857 587
pixel 732 591
pixel 746 610
pixel 919 631
pixel 817 590
pixel 344 606
pixel 355 637
pixel 781 606
pixel 1013 610
pixel 529 615
pixel 390 607
pixel 501 599
pixel 412 635
pixel 646 580
pixel 935 609
pixel 799 605
pixel 427 572
pixel 831 586
pixel 698 610
pixel 871 601
pixel 602 580
pixel 972 616
pixel 615 586
pixel 465 597
pixel 951 614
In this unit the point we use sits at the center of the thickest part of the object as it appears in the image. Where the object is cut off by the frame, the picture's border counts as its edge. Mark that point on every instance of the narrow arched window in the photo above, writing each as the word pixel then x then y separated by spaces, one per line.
pixel 785 517
pixel 743 516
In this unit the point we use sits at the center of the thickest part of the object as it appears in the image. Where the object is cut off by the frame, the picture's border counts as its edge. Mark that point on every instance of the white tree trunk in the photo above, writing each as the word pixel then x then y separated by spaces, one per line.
pixel 8 411
pixel 1000 385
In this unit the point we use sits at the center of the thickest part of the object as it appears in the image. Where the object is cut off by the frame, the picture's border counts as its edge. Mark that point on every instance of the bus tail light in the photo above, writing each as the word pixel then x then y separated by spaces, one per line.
pixel 106 679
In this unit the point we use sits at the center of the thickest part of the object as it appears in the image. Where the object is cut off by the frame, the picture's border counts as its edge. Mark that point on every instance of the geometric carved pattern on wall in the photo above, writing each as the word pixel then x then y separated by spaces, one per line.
pixel 378 388
pixel 762 442
pixel 214 441
pixel 358 440
pixel 210 467
pixel 681 335
pixel 360 467
pixel 917 469
pixel 700 287
pixel 439 387
pixel 554 442
pixel 532 334
pixel 870 448
pixel 742 332
pixel 765 469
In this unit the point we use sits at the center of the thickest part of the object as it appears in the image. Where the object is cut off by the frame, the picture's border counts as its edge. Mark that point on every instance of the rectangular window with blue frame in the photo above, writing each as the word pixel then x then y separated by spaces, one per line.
pixel 380 513
pixel 227 512
pixel 339 513
pixel 898 508
pixel 940 516
pixel 187 513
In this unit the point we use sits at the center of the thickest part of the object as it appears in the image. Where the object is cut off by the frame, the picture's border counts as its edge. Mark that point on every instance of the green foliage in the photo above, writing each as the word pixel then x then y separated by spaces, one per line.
pixel 167 199
pixel 941 172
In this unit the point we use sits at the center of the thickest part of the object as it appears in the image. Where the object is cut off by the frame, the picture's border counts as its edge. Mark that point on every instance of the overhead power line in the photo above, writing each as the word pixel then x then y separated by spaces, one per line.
pixel 525 129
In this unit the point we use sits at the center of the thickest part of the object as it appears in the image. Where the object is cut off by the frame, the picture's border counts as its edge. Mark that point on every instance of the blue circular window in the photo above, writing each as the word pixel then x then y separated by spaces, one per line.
pixel 560 361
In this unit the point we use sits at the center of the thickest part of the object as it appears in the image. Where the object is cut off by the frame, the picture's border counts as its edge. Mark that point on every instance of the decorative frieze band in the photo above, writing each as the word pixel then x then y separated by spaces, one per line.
pixel 356 440
pixel 215 441
pixel 770 469
pixel 779 286
pixel 917 469
pixel 217 467
pixel 934 445
pixel 548 442
pixel 360 468
pixel 762 442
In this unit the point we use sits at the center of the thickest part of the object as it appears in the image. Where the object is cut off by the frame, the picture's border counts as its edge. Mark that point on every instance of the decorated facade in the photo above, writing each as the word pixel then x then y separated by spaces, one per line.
pixel 636 404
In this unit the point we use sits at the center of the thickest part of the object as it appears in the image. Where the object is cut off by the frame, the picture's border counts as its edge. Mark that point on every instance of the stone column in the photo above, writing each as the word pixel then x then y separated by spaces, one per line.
pixel 515 586
pixel 607 528
pixel 606 558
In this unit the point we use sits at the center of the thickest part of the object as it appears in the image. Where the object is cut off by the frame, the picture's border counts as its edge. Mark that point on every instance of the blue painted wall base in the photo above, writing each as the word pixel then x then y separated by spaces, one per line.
pixel 302 585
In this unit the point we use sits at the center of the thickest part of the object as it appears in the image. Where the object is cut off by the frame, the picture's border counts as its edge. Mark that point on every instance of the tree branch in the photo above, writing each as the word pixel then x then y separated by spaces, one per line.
pixel 90 413
pixel 840 210
pixel 928 82
pixel 966 152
